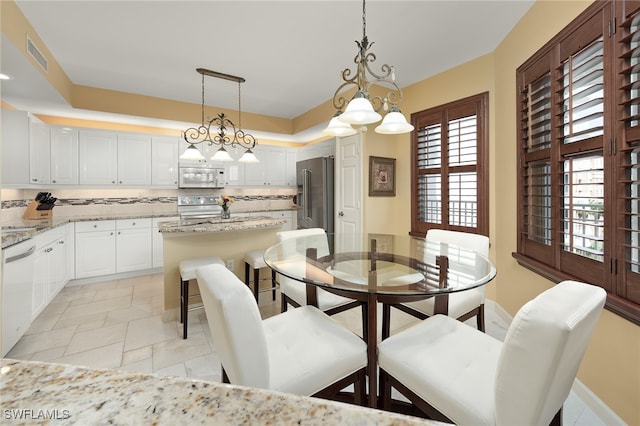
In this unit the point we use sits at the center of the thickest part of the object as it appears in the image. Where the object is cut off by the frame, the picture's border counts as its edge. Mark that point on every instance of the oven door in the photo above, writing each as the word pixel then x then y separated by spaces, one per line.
pixel 195 177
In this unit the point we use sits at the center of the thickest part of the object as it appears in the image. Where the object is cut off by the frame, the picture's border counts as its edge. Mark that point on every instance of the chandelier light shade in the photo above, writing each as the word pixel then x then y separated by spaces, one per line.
pixel 219 130
pixel 363 109
pixel 339 128
pixel 394 123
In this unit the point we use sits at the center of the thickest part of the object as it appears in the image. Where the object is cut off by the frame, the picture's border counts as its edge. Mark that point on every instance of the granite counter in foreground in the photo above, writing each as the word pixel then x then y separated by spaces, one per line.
pixel 37 392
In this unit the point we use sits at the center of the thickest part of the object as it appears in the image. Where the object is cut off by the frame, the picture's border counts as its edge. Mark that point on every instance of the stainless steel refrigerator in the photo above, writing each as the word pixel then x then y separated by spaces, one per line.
pixel 315 193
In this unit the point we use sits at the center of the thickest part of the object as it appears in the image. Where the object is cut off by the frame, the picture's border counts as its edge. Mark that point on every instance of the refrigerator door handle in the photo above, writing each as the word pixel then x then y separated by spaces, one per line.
pixel 306 191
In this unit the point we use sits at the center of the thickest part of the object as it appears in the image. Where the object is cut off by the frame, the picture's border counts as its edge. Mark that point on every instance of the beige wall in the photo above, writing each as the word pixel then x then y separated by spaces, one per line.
pixel 611 366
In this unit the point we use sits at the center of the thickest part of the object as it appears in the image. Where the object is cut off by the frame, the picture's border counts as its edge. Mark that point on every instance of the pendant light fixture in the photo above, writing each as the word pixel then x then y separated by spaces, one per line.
pixel 362 109
pixel 219 130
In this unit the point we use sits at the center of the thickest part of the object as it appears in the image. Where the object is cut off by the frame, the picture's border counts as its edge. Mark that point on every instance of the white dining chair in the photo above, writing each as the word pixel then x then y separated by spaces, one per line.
pixel 462 305
pixel 455 373
pixel 294 292
pixel 302 351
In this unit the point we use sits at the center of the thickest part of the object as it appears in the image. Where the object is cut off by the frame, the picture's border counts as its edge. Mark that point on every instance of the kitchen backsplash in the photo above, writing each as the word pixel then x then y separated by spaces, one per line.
pixel 75 203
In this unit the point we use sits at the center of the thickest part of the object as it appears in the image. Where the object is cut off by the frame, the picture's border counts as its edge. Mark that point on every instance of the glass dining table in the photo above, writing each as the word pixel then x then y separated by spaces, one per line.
pixel 379 268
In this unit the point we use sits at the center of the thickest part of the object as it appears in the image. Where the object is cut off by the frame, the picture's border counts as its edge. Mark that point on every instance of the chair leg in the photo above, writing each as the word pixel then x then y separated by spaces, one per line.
pixel 185 309
pixel 385 391
pixel 360 388
pixel 273 285
pixel 386 320
pixel 246 274
pixel 481 318
pixel 256 282
pixel 557 419
pixel 181 300
pixel 283 307
pixel 225 378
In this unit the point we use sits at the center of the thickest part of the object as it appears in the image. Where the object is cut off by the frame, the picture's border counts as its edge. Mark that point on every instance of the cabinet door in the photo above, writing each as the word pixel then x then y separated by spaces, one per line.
pixel 133 249
pixel 64 156
pixel 255 173
pixel 234 170
pixel 164 161
pixel 97 158
pixel 291 156
pixel 276 167
pixel 134 160
pixel 39 153
pixel 56 268
pixel 15 148
pixel 95 253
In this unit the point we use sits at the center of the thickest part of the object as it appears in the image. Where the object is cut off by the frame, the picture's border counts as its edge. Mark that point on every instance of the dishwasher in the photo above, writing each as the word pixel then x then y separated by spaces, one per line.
pixel 17 290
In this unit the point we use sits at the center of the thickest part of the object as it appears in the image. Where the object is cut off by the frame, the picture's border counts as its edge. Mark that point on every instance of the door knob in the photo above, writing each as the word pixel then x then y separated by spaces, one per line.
pixel 341 213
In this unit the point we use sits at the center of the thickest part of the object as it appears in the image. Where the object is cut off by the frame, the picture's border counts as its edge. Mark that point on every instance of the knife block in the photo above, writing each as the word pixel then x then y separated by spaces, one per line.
pixel 32 213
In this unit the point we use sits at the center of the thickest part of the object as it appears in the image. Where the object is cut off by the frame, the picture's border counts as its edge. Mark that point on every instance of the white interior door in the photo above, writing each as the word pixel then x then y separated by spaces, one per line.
pixel 348 220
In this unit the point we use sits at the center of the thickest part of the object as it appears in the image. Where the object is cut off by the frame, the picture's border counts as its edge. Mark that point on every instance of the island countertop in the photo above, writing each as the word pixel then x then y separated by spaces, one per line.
pixel 38 392
pixel 236 223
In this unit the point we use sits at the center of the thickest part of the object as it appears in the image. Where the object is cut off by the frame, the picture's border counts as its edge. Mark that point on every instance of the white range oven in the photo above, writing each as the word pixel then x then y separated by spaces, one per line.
pixel 201 177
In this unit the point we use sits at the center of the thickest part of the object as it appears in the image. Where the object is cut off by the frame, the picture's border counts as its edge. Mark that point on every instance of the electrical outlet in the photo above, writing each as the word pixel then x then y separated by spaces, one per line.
pixel 230 264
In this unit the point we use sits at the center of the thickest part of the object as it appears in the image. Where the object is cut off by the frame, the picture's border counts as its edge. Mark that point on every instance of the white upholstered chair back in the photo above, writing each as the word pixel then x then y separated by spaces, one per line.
pixel 475 242
pixel 542 352
pixel 236 326
pixel 319 241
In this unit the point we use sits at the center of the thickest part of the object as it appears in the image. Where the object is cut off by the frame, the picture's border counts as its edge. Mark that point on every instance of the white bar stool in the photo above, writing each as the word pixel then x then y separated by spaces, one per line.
pixel 188 272
pixel 255 260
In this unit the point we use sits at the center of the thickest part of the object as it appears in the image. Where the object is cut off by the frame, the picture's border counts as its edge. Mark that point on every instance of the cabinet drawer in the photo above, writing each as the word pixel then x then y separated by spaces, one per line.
pixel 133 223
pixel 98 225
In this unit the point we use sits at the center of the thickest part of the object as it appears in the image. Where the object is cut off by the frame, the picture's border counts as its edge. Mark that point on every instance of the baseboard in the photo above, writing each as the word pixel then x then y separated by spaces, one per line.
pixel 122 275
pixel 602 410
pixel 595 404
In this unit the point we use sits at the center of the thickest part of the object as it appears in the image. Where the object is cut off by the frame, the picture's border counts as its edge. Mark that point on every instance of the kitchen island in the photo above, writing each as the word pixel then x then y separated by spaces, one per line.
pixel 228 239
pixel 38 392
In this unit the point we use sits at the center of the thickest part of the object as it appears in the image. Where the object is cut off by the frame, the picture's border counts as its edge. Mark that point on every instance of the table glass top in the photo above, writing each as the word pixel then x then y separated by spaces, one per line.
pixel 379 263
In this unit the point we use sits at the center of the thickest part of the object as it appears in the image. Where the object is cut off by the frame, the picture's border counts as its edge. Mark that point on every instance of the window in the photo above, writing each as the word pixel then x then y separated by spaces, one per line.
pixel 578 155
pixel 450 167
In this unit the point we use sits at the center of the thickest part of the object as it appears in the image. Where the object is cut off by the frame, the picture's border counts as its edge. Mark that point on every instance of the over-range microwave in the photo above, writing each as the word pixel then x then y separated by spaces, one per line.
pixel 201 177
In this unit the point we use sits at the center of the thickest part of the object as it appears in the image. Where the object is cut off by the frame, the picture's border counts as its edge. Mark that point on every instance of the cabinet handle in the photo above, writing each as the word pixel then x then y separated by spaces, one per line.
pixel 121 182
pixel 113 181
pixel 34 179
pixel 95 226
pixel 111 233
pixel 54 181
pixel 61 242
pixel 118 232
pixel 133 224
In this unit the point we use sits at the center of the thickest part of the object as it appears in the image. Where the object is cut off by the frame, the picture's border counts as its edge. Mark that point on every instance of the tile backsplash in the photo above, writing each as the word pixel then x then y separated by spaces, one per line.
pixel 97 202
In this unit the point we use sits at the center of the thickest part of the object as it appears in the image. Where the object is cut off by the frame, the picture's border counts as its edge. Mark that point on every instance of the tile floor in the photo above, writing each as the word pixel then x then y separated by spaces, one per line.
pixel 118 324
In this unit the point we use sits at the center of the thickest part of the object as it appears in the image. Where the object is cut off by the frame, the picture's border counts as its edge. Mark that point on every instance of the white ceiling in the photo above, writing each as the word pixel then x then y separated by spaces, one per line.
pixel 289 52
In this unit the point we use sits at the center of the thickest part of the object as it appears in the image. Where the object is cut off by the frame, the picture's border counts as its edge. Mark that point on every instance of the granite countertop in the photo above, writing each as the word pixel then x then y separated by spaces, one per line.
pixel 235 223
pixel 38 392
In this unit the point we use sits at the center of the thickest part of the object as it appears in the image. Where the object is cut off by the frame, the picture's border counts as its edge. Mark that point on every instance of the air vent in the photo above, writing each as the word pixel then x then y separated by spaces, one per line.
pixel 36 54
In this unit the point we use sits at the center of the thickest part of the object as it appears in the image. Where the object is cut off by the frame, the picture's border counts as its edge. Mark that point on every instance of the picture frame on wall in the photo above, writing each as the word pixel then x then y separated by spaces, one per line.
pixel 382 177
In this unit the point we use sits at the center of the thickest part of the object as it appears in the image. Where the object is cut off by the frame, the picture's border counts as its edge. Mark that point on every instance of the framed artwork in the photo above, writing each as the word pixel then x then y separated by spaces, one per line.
pixel 382 177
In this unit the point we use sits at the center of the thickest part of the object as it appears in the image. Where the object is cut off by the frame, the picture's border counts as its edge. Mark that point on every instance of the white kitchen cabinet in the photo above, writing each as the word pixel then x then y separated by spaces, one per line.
pixel 49 269
pixel 270 171
pixel 39 152
pixel 164 161
pixel 133 244
pixel 95 244
pixel 134 160
pixel 234 170
pixel 64 156
pixel 289 215
pixel 15 148
pixel 97 158
pixel 291 156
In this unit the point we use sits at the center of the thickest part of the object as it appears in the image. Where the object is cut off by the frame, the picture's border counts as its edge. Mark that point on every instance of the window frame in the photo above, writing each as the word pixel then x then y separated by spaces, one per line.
pixel 605 19
pixel 443 114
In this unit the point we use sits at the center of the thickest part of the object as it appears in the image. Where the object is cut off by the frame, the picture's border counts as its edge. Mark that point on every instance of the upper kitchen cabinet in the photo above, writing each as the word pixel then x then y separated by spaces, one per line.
pixel 134 160
pixel 164 161
pixel 64 156
pixel 110 159
pixel 234 170
pixel 15 148
pixel 98 158
pixel 270 171
pixel 39 153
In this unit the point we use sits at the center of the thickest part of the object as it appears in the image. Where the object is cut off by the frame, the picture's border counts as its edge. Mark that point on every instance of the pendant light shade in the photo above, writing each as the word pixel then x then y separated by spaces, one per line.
pixel 339 128
pixel 248 157
pixel 191 153
pixel 359 111
pixel 221 155
pixel 394 123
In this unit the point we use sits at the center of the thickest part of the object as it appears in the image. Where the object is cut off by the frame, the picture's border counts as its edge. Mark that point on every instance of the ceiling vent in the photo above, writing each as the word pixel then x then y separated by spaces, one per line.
pixel 36 54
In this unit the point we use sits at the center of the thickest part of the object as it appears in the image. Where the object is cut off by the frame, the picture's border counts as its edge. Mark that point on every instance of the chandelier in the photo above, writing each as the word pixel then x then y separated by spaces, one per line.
pixel 361 109
pixel 219 130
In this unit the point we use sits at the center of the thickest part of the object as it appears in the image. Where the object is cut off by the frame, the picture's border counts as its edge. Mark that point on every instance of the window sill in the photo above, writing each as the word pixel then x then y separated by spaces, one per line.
pixel 616 304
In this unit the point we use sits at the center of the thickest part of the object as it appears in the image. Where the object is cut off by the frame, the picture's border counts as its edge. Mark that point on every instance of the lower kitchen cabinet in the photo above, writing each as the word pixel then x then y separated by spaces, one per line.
pixel 133 245
pixel 95 248
pixel 50 268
